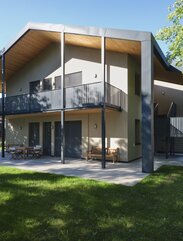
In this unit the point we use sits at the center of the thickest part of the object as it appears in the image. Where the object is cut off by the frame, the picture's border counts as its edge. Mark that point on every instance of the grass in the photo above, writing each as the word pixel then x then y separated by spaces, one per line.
pixel 47 207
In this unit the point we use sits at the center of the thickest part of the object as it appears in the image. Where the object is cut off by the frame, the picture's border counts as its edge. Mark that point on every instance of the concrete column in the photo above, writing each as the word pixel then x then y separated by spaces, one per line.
pixel 103 91
pixel 62 97
pixel 147 129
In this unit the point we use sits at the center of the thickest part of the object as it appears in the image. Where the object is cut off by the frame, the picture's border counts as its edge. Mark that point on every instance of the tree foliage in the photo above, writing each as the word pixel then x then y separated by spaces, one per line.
pixel 173 34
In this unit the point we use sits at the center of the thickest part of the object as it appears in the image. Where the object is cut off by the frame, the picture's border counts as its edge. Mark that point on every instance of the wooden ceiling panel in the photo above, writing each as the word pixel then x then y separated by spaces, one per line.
pixel 52 36
pixel 123 46
pixel 82 40
pixel 57 113
pixel 23 51
pixel 160 73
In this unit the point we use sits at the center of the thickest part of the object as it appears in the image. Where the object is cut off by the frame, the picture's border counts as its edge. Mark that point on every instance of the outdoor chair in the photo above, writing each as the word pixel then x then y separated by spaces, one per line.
pixel 36 151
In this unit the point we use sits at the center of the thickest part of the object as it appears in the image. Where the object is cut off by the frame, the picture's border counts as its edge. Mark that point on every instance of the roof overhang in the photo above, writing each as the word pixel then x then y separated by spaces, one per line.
pixel 35 37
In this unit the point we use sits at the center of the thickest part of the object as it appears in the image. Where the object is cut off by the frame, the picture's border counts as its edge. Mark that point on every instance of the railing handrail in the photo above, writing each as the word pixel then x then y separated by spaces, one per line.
pixel 44 91
pixel 114 86
pixel 29 93
pixel 156 108
pixel 99 82
pixel 170 109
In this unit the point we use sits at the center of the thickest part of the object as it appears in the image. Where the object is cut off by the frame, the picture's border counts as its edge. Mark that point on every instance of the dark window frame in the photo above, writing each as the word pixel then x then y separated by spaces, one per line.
pixel 46 84
pixel 58 76
pixel 71 74
pixel 137 132
pixel 137 84
pixel 39 89
pixel 34 124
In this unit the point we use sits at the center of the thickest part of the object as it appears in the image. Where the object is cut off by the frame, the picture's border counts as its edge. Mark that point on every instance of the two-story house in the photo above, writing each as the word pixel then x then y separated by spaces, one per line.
pixel 70 88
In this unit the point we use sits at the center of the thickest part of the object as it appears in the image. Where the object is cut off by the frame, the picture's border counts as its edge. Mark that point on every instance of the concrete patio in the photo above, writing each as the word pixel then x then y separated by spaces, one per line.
pixel 120 173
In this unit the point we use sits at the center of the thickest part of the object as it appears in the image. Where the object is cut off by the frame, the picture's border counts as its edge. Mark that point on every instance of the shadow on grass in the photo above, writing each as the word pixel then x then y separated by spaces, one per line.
pixel 40 206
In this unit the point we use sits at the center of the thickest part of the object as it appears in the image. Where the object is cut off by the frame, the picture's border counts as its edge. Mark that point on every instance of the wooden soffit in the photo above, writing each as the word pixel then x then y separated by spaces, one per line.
pixel 167 75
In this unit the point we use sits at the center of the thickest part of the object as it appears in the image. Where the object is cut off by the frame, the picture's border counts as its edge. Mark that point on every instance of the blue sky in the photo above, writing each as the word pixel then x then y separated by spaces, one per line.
pixel 147 15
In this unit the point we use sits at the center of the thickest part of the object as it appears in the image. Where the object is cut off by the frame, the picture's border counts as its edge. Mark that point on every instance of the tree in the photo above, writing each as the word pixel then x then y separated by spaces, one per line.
pixel 173 34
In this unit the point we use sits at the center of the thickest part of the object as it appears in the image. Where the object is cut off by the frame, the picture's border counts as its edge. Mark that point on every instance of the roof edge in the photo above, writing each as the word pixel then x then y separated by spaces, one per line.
pixel 159 53
pixel 90 31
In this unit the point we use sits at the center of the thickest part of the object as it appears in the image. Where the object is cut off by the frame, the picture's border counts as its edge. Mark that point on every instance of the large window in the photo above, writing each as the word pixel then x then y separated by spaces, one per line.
pixel 137 132
pixel 73 79
pixel 58 82
pixel 137 84
pixel 47 84
pixel 34 86
pixel 33 133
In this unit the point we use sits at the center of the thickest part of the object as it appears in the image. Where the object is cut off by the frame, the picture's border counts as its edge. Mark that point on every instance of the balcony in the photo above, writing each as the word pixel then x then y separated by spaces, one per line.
pixel 82 96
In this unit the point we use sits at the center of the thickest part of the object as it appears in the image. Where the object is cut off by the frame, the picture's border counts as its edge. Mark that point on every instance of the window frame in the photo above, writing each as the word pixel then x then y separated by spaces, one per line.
pixel 70 86
pixel 43 84
pixel 137 84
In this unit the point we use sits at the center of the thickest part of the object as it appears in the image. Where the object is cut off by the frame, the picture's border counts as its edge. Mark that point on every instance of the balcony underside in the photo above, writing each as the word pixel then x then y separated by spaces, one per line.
pixel 79 111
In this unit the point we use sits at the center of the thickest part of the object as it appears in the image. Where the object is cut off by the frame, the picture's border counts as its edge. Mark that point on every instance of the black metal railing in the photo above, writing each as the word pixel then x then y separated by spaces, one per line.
pixel 176 126
pixel 82 96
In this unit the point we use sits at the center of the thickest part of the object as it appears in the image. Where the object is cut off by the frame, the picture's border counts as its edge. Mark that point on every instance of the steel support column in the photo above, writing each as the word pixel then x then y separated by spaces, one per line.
pixel 147 78
pixel 62 97
pixel 103 119
pixel 3 109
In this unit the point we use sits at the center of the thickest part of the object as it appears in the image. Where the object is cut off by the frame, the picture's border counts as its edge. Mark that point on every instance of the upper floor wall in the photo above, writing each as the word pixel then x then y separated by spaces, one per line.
pixel 77 59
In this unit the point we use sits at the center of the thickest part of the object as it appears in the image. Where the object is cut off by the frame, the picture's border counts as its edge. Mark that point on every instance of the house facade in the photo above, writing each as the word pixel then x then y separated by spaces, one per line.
pixel 68 89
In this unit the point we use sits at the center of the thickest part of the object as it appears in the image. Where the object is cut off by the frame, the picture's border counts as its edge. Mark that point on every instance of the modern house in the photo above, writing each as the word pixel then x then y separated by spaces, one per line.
pixel 70 88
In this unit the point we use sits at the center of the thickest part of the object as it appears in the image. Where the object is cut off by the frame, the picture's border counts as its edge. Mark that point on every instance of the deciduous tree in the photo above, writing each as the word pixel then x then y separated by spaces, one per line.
pixel 173 34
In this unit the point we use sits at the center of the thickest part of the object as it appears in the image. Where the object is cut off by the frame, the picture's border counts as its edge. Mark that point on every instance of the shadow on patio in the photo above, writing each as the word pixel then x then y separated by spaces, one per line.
pixel 120 173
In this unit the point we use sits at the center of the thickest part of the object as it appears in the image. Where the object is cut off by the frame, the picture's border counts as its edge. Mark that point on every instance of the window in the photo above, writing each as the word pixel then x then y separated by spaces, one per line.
pixel 47 84
pixel 137 132
pixel 58 82
pixel 73 79
pixel 33 133
pixel 34 86
pixel 137 84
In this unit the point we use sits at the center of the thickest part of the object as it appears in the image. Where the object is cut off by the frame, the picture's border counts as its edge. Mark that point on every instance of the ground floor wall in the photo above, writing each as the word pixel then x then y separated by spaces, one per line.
pixel 17 131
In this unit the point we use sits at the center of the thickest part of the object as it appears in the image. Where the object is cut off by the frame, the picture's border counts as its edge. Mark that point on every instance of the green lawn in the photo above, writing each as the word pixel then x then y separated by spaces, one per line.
pixel 39 206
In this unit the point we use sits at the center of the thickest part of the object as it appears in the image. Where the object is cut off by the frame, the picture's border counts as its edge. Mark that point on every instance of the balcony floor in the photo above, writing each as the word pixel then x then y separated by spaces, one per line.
pixel 127 174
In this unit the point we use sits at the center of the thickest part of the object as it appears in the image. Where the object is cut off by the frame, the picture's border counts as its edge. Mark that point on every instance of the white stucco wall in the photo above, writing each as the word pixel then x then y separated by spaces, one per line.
pixel 116 133
pixel 134 110
pixel 47 64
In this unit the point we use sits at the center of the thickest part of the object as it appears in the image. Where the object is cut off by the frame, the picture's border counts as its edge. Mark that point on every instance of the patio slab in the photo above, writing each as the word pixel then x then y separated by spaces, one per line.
pixel 120 173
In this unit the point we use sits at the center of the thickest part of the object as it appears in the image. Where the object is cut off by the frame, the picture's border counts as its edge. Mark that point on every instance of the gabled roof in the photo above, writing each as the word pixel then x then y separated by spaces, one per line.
pixel 37 36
